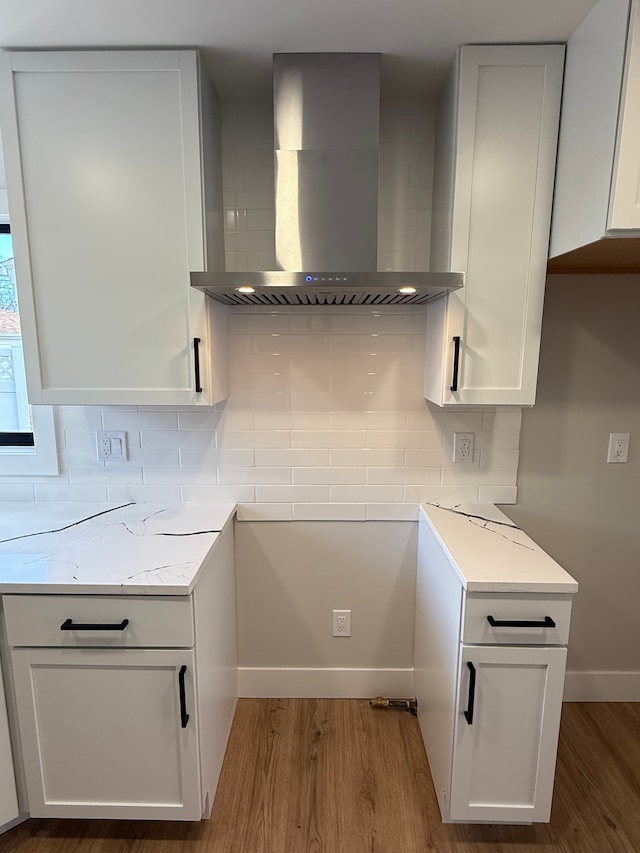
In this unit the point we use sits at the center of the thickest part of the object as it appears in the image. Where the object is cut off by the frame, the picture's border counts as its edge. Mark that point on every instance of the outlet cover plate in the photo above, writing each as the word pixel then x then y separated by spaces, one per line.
pixel 341 623
pixel 111 446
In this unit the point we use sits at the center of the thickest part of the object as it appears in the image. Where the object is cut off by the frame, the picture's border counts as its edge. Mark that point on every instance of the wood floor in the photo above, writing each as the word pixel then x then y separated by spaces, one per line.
pixel 336 776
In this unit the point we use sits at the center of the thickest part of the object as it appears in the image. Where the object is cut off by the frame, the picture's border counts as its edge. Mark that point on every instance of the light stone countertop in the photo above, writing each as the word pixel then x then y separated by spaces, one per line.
pixel 92 548
pixel 490 553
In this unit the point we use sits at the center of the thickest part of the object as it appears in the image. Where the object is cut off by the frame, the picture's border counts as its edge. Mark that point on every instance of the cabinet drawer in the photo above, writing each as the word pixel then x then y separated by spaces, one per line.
pixel 516 608
pixel 36 620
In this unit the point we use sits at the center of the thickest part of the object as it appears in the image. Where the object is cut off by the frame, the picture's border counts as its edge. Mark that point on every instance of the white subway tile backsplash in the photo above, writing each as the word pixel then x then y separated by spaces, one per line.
pixel 149 456
pixel 257 476
pixel 498 440
pixel 466 474
pixel 70 492
pixel 427 438
pixel 391 421
pixel 292 494
pixel 257 198
pixel 160 476
pixel 497 494
pixel 329 476
pixel 265 512
pixel 366 494
pixel 293 457
pixel 105 474
pixel 115 419
pixel 200 419
pixel 17 492
pixel 448 495
pixel 262 220
pixel 258 176
pixel 330 438
pixel 367 457
pixel 178 438
pixel 427 457
pixel 79 418
pixel 370 343
pixel 218 494
pixel 150 494
pixel 326 416
pixel 255 438
pixel 403 476
pixel 86 439
pixel 499 458
pixel 202 456
pixel 292 420
pixel 329 512
pixel 290 343
pixel 392 512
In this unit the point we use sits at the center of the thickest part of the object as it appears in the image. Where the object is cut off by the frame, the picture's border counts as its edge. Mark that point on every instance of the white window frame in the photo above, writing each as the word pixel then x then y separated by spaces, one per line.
pixel 42 458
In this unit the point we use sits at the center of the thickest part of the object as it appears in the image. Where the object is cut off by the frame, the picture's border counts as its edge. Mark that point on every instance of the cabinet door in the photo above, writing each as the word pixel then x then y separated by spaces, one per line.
pixel 498 205
pixel 505 749
pixel 104 173
pixel 8 797
pixel 103 733
pixel 624 210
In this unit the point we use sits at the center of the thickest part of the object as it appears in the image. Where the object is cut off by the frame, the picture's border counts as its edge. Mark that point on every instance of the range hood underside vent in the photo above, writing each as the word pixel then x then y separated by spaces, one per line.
pixel 286 288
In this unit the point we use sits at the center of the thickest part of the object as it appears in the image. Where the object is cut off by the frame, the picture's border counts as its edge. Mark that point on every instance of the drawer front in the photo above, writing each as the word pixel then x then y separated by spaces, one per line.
pixel 541 610
pixel 98 621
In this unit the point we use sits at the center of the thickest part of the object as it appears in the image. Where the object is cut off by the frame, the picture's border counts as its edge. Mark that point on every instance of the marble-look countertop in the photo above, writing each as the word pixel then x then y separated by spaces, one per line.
pixel 129 549
pixel 492 554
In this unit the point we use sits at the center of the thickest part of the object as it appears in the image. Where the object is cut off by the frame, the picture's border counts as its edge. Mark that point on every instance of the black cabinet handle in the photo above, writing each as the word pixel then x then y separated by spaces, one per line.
pixel 70 625
pixel 547 622
pixel 196 363
pixel 184 717
pixel 456 362
pixel 468 714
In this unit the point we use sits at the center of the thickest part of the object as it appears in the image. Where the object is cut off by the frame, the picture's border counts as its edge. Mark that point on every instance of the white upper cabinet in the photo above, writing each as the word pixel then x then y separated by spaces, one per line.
pixel 112 180
pixel 495 160
pixel 597 195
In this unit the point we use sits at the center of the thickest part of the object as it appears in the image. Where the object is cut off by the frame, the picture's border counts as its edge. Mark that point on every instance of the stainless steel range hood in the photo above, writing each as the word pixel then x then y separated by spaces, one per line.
pixel 326 117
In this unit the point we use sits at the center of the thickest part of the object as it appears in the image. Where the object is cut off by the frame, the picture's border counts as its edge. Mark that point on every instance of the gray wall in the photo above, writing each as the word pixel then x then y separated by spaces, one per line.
pixel 583 511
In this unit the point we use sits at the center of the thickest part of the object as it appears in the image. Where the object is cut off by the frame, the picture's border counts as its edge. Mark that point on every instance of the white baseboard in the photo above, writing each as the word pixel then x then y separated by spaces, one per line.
pixel 602 687
pixel 323 683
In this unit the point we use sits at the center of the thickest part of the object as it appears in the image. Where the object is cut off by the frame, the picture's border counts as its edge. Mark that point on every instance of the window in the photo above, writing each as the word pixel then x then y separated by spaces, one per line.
pixel 27 436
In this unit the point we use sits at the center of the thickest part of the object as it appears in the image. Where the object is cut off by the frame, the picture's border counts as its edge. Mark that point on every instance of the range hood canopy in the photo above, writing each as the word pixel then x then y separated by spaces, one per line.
pixel 326 121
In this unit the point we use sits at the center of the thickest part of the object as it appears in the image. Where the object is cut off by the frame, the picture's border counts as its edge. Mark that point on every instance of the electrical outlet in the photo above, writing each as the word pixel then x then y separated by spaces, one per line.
pixel 341 623
pixel 618 447
pixel 111 446
pixel 463 447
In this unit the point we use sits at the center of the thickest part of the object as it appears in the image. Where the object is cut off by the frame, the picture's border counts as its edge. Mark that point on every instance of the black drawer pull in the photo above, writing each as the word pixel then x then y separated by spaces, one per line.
pixel 547 622
pixel 184 717
pixel 468 714
pixel 70 625
pixel 456 363
pixel 196 364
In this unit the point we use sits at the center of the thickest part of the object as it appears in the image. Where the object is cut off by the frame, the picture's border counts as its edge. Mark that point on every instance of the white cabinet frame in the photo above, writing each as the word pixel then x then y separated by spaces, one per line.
pixel 505 757
pixel 111 185
pixel 66 717
pixel 495 162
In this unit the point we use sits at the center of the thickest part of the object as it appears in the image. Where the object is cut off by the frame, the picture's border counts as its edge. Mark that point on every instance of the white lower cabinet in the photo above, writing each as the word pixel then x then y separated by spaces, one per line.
pixel 124 703
pixel 489 709
pixel 506 733
pixel 8 795
pixel 109 733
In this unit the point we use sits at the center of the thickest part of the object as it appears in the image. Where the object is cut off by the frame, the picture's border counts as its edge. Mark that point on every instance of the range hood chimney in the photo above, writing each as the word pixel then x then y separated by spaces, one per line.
pixel 326 122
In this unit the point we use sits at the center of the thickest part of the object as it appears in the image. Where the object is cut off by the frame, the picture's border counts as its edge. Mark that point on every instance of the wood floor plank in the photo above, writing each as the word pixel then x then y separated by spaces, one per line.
pixel 336 776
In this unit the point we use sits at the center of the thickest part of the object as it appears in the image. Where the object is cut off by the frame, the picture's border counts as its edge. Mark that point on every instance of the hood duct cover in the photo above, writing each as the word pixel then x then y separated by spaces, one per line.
pixel 326 122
